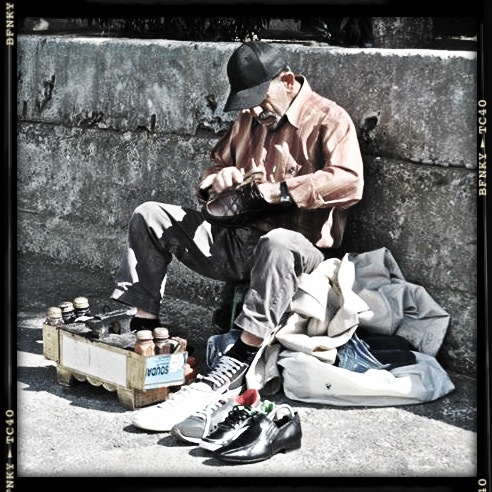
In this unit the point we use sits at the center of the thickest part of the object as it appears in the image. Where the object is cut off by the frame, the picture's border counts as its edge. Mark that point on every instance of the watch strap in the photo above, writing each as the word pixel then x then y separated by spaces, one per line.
pixel 285 198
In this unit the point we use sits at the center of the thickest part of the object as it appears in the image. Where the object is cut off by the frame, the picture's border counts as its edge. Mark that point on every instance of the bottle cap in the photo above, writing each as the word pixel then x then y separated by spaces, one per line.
pixel 161 332
pixel 144 335
pixel 80 303
pixel 66 306
pixel 54 312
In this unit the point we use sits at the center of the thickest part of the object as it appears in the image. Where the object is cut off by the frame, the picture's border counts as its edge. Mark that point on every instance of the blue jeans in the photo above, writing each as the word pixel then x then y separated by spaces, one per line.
pixel 355 356
pixel 218 345
pixel 271 262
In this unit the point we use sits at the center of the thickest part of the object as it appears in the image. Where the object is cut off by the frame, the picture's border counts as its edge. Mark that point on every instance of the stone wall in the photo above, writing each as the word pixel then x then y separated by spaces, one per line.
pixel 105 124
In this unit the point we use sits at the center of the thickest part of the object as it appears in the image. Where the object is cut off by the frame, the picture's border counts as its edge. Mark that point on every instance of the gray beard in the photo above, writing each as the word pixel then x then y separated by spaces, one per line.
pixel 268 117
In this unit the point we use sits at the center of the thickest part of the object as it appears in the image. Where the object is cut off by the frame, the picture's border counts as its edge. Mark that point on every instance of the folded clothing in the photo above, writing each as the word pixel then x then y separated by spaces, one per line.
pixel 391 350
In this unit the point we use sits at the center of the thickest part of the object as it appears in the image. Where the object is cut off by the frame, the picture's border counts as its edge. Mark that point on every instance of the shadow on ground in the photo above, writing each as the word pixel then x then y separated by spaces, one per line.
pixel 42 282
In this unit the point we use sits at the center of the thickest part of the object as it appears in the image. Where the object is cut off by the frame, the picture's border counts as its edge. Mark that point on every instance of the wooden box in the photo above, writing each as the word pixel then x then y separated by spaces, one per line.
pixel 138 381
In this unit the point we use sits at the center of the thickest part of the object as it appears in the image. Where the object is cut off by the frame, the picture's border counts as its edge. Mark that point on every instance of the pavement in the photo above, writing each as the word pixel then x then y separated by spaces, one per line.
pixel 83 430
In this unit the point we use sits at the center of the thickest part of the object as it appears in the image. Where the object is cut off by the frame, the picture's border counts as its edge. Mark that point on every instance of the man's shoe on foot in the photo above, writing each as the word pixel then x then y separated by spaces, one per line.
pixel 203 422
pixel 228 375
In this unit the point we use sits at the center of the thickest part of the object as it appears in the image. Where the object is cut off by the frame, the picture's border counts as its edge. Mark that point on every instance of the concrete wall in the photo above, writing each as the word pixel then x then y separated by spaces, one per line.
pixel 104 124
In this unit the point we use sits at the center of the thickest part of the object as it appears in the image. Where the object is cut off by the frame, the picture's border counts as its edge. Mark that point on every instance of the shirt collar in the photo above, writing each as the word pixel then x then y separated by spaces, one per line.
pixel 294 112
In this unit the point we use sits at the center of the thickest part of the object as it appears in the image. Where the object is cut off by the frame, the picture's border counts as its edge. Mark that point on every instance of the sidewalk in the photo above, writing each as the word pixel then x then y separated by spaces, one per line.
pixel 83 431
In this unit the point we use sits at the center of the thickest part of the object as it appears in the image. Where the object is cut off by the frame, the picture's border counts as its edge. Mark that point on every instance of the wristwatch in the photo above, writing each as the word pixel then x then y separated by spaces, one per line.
pixel 285 198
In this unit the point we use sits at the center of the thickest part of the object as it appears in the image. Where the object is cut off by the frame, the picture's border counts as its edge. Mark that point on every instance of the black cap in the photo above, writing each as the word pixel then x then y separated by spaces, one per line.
pixel 250 69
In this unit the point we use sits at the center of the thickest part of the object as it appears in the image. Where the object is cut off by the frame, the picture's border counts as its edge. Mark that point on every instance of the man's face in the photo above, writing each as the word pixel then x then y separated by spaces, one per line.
pixel 273 107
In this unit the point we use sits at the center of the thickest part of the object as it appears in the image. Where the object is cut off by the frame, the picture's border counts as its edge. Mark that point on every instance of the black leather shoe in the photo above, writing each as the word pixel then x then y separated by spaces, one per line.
pixel 234 422
pixel 265 436
pixel 228 430
pixel 241 206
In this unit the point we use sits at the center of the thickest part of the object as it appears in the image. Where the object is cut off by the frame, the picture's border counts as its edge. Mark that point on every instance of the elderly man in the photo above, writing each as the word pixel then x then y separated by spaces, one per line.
pixel 305 150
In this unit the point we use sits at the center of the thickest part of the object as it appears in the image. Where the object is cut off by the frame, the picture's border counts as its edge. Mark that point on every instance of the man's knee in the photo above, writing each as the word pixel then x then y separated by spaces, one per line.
pixel 144 209
pixel 149 215
pixel 283 245
pixel 280 239
pixel 156 213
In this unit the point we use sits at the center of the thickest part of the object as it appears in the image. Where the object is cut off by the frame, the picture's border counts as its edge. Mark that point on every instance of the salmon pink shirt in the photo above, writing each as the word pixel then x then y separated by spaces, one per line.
pixel 315 150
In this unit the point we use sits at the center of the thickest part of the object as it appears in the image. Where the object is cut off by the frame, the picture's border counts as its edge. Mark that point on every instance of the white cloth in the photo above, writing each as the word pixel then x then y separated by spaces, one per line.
pixel 368 290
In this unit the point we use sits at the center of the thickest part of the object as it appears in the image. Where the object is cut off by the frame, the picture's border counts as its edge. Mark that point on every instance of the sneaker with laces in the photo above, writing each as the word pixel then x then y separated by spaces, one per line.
pixel 236 422
pixel 203 422
pixel 228 375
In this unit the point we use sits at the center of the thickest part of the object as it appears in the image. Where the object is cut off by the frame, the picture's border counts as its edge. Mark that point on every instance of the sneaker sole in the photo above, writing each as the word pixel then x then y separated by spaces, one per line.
pixel 192 440
pixel 144 424
pixel 149 428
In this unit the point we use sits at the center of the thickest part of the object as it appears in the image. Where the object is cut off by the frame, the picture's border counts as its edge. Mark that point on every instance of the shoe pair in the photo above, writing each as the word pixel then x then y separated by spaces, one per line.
pixel 247 437
pixel 225 380
pixel 251 431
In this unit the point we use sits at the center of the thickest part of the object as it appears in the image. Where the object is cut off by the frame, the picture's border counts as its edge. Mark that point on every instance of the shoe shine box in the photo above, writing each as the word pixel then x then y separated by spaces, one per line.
pixel 100 351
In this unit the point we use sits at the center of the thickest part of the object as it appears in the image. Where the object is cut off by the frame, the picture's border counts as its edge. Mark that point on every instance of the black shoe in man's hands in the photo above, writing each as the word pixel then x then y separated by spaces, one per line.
pixel 239 207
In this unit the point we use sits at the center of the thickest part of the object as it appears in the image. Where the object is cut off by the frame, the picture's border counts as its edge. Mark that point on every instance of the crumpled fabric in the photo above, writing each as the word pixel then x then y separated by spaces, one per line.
pixel 361 289
pixel 369 290
pixel 397 307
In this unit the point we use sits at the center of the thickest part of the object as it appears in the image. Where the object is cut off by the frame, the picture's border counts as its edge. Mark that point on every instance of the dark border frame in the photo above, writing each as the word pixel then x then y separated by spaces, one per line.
pixel 272 8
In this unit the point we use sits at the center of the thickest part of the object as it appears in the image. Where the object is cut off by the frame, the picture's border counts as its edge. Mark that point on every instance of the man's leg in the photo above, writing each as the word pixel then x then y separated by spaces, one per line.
pixel 279 258
pixel 157 233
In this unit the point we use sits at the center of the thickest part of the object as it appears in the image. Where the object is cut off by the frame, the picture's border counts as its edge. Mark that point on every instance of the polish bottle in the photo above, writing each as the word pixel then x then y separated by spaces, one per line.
pixel 161 340
pixel 68 312
pixel 54 317
pixel 144 344
pixel 82 310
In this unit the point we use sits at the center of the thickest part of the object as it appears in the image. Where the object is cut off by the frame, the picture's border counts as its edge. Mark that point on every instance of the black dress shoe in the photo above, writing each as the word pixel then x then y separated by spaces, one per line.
pixel 265 436
pixel 241 206
pixel 236 422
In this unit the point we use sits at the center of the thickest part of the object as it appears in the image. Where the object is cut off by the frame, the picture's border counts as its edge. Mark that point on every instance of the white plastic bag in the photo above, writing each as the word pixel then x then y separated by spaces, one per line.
pixel 306 378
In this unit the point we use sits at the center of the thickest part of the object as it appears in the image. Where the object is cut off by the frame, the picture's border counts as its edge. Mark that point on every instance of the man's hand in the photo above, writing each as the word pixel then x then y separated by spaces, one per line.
pixel 270 192
pixel 227 178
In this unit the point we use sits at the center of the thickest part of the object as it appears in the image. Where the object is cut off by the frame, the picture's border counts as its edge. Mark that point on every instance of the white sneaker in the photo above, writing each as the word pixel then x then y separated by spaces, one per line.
pixel 226 376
